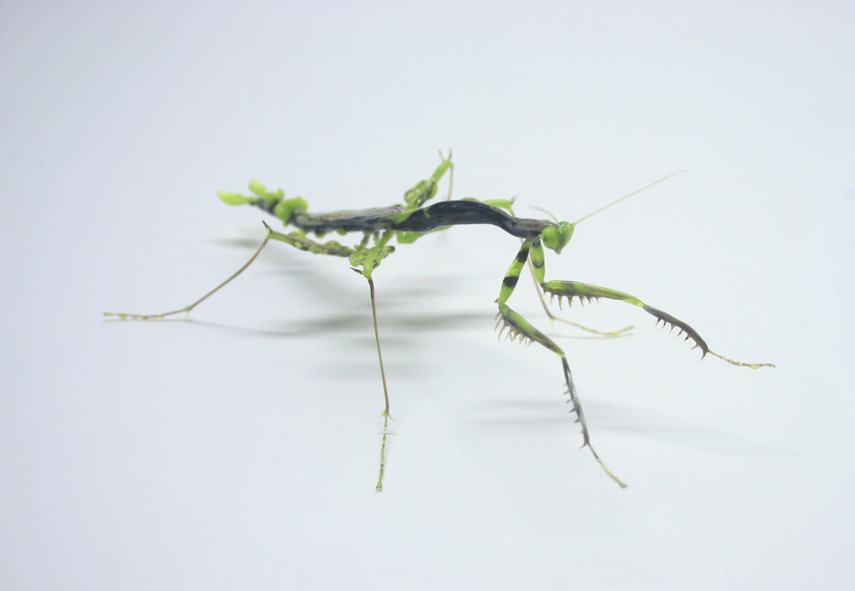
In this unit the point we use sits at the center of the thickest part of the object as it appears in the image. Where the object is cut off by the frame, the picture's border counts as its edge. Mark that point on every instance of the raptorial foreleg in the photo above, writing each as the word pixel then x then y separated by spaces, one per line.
pixel 587 292
pixel 520 328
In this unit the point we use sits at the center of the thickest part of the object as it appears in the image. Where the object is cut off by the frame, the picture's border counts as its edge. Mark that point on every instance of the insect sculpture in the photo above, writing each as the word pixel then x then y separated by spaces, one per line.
pixel 410 221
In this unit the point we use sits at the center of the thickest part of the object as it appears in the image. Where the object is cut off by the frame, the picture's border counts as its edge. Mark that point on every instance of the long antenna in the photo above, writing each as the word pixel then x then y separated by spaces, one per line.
pixel 627 196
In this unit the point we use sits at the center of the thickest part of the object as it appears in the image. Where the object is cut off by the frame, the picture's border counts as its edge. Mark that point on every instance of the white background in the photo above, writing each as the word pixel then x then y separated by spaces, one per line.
pixel 239 450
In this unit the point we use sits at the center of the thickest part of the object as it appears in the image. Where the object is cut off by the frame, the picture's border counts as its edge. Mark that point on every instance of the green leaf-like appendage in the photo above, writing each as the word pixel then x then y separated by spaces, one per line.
pixel 257 188
pixel 369 258
pixel 407 237
pixel 505 204
pixel 234 198
pixel 286 208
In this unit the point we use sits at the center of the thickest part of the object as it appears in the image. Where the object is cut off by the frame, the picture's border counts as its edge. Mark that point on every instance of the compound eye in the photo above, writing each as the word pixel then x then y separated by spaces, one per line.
pixel 549 237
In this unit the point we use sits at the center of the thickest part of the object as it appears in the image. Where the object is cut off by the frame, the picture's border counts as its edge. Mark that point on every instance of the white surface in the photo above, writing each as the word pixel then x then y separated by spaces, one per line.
pixel 239 451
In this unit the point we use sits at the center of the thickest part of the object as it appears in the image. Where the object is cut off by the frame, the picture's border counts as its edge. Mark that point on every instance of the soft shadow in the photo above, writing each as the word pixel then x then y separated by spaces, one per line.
pixel 527 417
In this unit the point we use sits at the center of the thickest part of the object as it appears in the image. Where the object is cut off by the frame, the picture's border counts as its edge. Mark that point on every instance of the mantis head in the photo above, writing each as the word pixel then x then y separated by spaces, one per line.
pixel 556 237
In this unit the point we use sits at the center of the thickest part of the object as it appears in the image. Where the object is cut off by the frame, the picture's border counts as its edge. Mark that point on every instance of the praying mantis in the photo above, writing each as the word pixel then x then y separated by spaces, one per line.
pixel 410 221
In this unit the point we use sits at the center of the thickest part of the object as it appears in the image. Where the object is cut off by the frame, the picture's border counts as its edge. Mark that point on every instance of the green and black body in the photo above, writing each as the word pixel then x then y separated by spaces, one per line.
pixel 425 219
pixel 413 219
